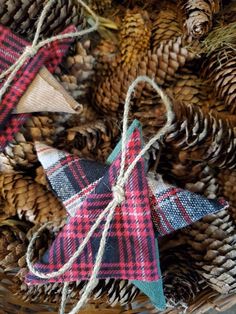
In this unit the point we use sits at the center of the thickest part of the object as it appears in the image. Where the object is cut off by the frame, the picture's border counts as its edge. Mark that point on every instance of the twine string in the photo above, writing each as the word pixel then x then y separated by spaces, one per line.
pixel 118 197
pixel 32 49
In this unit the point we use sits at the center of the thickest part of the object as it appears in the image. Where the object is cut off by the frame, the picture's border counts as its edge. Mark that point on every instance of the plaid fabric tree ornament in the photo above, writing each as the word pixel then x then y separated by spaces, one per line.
pixel 11 48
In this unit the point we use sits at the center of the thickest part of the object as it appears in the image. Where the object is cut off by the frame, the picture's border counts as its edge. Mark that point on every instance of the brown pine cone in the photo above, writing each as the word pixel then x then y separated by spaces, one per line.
pixel 135 36
pixel 80 71
pixel 99 6
pixel 181 281
pixel 189 88
pixel 214 238
pixel 13 244
pixel 198 16
pixel 110 291
pixel 41 177
pixel 20 152
pixel 93 139
pixel 39 128
pixel 220 71
pixel 202 137
pixel 194 176
pixel 165 26
pixel 161 66
pixel 227 183
pixel 31 200
pixel 107 56
pixel 21 16
pixel 17 155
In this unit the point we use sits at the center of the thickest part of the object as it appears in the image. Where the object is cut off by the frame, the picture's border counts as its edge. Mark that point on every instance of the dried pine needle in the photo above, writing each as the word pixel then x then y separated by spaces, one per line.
pixel 219 37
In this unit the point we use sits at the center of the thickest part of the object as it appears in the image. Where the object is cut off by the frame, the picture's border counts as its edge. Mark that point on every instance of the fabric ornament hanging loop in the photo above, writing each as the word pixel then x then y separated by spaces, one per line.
pixel 118 197
pixel 31 50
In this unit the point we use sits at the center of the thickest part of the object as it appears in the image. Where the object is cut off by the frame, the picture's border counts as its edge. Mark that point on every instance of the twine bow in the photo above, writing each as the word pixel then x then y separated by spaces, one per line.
pixel 118 197
pixel 31 50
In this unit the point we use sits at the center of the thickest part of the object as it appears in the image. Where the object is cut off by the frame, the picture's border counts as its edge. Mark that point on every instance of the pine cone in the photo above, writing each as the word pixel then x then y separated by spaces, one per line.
pixel 41 245
pixel 17 155
pixel 31 200
pixel 39 128
pixel 21 16
pixel 202 137
pixel 135 36
pixel 181 281
pixel 20 153
pixel 190 89
pixel 80 69
pixel 93 139
pixel 214 238
pixel 165 26
pixel 41 177
pixel 161 66
pixel 110 290
pixel 107 56
pixel 198 16
pixel 99 6
pixel 13 244
pixel 194 176
pixel 220 71
pixel 227 182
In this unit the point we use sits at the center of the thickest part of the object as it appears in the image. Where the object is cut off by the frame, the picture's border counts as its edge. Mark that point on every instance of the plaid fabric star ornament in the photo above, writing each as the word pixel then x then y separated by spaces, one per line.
pixel 131 250
pixel 11 48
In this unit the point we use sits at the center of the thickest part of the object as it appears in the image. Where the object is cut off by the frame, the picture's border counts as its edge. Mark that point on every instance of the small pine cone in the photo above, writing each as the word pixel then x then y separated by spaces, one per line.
pixel 198 16
pixel 13 244
pixel 80 69
pixel 135 36
pixel 31 200
pixel 181 281
pixel 161 66
pixel 214 238
pixel 202 137
pixel 220 70
pixel 165 26
pixel 21 16
pixel 94 139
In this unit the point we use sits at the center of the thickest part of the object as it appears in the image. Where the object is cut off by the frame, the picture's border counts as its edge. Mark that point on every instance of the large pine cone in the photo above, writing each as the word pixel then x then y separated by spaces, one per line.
pixel 165 26
pixel 135 36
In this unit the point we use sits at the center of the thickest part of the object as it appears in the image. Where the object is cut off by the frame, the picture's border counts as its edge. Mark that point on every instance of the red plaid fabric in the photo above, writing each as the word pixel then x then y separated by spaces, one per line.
pixel 11 47
pixel 130 251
